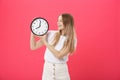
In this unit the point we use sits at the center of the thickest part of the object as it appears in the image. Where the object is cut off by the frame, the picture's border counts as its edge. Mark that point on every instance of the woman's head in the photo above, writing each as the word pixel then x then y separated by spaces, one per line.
pixel 65 22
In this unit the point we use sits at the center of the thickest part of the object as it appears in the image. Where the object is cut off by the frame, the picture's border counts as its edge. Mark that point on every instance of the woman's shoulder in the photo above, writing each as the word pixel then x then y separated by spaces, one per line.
pixel 51 33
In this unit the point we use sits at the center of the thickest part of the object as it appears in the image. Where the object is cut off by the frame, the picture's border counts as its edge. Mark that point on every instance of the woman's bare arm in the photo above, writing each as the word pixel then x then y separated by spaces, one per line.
pixel 35 44
pixel 59 54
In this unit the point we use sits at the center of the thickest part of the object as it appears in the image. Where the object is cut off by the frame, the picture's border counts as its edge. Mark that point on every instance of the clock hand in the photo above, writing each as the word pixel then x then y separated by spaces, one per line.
pixel 39 24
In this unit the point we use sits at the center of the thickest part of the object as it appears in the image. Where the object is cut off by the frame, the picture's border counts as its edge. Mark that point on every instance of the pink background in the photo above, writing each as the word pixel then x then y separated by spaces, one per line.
pixel 97 23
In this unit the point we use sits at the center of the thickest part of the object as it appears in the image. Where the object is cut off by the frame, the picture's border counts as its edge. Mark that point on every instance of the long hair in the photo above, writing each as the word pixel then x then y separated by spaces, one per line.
pixel 68 23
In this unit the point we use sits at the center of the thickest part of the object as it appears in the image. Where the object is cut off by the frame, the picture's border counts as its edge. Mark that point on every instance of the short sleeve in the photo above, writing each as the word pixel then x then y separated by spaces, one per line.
pixel 50 35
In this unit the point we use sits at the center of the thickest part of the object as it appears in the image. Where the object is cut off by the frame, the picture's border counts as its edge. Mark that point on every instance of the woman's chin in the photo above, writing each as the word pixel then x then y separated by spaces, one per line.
pixel 59 28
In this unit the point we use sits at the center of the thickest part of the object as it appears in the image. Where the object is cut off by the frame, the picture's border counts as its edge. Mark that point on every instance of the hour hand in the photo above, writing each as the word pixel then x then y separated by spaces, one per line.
pixel 39 24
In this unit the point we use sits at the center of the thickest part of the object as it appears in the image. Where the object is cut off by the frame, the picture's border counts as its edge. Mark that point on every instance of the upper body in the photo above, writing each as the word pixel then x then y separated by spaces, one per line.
pixel 59 43
pixel 49 56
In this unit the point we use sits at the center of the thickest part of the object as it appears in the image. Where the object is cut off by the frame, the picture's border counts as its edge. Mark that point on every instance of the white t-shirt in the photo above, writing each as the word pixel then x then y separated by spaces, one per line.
pixel 49 56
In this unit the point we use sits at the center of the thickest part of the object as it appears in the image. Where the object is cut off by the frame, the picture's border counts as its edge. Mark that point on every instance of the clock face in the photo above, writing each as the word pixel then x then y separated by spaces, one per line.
pixel 39 26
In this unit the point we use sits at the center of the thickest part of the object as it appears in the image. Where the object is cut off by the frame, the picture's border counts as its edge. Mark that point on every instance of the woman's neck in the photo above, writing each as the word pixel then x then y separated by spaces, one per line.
pixel 63 32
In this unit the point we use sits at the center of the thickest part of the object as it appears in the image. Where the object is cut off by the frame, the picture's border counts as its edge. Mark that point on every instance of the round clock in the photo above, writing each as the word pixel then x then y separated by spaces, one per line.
pixel 39 26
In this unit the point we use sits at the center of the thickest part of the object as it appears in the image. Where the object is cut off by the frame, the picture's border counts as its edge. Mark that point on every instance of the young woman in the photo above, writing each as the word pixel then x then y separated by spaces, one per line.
pixel 60 44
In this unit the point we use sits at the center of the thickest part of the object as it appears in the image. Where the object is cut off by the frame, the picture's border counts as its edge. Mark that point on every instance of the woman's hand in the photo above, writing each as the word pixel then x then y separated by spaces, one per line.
pixel 35 44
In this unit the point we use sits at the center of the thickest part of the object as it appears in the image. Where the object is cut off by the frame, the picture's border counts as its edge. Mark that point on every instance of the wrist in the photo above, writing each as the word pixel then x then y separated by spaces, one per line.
pixel 45 43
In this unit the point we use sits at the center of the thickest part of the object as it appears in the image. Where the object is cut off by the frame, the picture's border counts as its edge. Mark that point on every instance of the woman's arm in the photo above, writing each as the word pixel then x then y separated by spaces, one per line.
pixel 33 44
pixel 59 54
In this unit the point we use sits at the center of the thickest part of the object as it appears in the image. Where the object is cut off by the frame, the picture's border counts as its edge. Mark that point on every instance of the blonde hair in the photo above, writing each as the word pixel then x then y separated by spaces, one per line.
pixel 68 23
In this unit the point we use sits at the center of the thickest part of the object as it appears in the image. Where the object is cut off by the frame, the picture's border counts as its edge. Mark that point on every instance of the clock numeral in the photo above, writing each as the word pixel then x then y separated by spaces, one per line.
pixel 36 32
pixel 44 30
pixel 33 29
